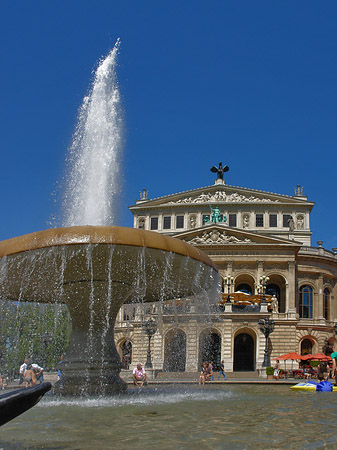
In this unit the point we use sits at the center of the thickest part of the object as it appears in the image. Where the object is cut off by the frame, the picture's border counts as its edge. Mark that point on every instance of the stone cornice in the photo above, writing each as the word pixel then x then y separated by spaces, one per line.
pixel 234 194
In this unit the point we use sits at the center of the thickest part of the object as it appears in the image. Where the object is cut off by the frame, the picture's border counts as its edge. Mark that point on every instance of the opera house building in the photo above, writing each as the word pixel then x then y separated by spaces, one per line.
pixel 261 245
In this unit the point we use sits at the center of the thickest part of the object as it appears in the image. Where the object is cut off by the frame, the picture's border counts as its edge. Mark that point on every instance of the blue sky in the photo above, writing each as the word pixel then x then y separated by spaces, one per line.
pixel 251 84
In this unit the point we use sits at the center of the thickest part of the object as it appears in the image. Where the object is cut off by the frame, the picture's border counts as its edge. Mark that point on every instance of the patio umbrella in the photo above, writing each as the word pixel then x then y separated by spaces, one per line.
pixel 292 355
pixel 319 356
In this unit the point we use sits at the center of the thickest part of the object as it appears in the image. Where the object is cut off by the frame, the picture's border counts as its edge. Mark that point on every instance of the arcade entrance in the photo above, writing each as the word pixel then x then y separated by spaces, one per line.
pixel 244 353
pixel 210 348
pixel 175 351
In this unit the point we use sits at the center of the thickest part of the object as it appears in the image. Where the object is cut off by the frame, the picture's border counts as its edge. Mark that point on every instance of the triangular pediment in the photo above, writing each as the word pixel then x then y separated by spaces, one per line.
pixel 220 195
pixel 216 234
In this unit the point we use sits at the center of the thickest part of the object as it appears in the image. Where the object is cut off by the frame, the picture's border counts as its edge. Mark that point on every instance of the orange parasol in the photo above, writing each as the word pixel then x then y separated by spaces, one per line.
pixel 318 356
pixel 292 355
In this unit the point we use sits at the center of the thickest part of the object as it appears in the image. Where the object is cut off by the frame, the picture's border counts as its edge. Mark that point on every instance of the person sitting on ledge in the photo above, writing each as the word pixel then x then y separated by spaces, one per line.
pixel 210 374
pixel 29 375
pixel 203 373
pixel 139 375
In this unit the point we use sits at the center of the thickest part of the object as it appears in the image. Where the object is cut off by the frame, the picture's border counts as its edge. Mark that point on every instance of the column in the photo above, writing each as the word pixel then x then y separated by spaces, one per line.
pixel 318 299
pixel 260 270
pixel 192 347
pixel 291 291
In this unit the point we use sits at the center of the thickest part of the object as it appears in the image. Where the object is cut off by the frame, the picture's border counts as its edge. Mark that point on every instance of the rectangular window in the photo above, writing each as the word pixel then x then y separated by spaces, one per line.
pixel 154 223
pixel 180 222
pixel 286 218
pixel 205 218
pixel 259 220
pixel 167 223
pixel 232 220
pixel 273 220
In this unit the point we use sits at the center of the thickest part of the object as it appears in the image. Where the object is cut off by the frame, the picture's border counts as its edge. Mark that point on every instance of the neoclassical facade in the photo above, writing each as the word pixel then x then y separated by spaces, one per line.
pixel 249 234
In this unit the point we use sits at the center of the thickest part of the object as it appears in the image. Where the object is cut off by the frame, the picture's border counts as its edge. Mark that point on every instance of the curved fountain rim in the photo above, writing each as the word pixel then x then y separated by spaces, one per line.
pixel 77 235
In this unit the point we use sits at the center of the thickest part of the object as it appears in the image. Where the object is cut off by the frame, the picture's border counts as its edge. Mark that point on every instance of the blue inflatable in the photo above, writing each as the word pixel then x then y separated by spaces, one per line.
pixel 324 386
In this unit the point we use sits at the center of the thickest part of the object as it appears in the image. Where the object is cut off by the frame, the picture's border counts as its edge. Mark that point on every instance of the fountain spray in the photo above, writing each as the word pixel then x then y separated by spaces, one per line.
pixel 94 157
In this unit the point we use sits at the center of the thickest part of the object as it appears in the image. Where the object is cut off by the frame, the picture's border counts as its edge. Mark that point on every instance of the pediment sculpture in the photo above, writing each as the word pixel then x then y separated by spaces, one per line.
pixel 221 196
pixel 216 237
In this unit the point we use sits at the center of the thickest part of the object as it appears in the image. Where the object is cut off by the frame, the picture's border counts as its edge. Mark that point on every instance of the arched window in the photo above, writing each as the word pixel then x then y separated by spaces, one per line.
pixel 243 287
pixel 326 303
pixel 306 347
pixel 274 290
pixel 305 304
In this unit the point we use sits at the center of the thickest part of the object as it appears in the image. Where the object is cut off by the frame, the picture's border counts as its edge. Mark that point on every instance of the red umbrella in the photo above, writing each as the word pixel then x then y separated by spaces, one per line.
pixel 292 355
pixel 319 356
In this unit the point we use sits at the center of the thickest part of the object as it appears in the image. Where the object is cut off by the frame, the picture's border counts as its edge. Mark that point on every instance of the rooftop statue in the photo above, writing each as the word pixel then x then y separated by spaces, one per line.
pixel 216 216
pixel 220 170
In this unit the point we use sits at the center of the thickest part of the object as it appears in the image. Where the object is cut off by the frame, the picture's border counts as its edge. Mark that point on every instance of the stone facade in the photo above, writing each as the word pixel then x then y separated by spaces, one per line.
pixel 248 234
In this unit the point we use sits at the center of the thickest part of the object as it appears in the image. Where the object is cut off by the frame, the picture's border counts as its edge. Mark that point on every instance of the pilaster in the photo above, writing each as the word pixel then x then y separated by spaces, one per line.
pixel 291 289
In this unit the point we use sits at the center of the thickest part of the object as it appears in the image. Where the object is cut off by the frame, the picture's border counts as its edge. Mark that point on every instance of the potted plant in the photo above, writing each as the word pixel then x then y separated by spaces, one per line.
pixel 270 373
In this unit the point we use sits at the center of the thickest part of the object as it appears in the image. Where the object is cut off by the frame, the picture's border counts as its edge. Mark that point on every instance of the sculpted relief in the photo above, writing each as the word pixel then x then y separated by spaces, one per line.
pixel 216 237
pixel 221 196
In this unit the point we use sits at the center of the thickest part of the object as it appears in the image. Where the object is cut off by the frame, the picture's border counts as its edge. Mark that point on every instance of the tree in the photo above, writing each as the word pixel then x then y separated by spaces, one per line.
pixel 41 332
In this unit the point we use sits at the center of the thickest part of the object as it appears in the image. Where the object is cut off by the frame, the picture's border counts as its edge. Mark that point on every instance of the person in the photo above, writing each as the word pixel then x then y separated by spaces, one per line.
pixel 210 373
pixel 222 370
pixel 3 381
pixel 139 375
pixel 38 372
pixel 59 371
pixel 203 373
pixel 29 376
pixel 334 366
pixel 308 372
pixel 277 370
pixel 322 369
pixel 35 367
pixel 22 370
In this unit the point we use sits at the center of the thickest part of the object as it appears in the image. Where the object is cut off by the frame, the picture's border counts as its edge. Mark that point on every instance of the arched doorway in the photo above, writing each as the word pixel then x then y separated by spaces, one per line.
pixel 244 353
pixel 210 348
pixel 175 351
pixel 126 350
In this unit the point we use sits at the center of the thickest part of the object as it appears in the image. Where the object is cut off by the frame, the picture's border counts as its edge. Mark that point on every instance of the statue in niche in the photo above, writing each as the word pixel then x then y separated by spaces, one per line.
pixel 291 223
pixel 246 221
pixel 141 223
pixel 300 222
pixel 219 170
pixel 274 304
pixel 193 221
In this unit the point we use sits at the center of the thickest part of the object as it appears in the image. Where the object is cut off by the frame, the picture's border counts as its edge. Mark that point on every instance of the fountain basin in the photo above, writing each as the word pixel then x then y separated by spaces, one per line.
pixel 94 270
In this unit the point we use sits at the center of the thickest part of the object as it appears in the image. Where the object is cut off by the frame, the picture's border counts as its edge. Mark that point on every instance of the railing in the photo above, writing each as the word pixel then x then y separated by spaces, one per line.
pixel 320 251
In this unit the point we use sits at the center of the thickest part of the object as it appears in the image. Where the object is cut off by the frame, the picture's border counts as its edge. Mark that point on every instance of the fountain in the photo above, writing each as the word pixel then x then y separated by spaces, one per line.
pixel 89 264
pixel 94 270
